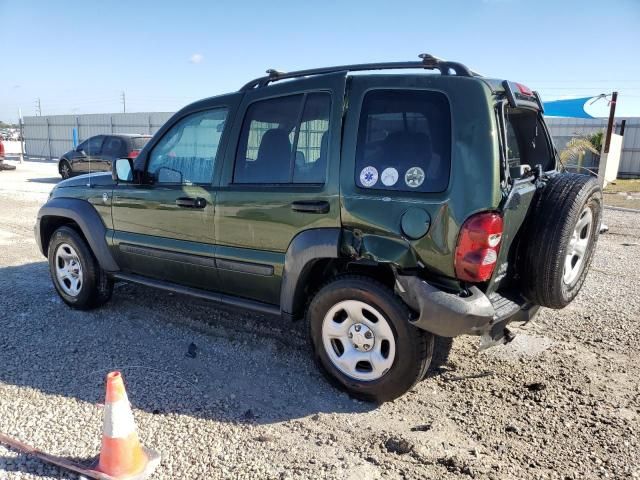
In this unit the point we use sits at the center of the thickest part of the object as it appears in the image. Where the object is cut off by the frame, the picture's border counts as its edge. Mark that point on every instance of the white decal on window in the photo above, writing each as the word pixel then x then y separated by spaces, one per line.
pixel 368 176
pixel 389 176
pixel 414 177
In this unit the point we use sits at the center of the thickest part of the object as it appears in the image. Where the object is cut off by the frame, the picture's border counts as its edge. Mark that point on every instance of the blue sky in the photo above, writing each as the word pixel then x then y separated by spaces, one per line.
pixel 78 56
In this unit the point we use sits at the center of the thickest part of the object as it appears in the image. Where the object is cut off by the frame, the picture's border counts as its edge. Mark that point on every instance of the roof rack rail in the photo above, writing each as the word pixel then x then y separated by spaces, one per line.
pixel 429 62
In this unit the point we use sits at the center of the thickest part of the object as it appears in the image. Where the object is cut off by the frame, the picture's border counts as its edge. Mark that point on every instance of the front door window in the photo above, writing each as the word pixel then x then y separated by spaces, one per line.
pixel 187 153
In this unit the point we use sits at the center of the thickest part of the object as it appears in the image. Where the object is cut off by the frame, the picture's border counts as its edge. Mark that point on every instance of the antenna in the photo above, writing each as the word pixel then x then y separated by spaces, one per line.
pixel 124 102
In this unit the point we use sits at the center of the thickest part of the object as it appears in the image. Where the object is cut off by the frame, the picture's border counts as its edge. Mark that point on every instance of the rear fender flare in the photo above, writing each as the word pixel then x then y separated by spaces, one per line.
pixel 304 250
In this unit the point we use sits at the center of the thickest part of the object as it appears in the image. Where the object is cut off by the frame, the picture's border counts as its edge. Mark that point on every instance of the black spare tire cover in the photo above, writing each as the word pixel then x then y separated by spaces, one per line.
pixel 560 238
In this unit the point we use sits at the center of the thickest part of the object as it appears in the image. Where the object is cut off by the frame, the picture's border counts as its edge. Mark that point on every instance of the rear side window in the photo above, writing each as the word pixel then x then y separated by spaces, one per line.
pixel 284 140
pixel 138 142
pixel 404 141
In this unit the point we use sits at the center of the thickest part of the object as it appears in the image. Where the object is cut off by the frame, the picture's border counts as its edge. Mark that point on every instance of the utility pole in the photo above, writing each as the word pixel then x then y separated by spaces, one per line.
pixel 38 107
pixel 21 135
pixel 612 114
pixel 124 102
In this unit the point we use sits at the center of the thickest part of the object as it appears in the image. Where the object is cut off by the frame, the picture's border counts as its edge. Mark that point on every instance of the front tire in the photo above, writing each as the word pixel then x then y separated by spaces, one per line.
pixel 75 272
pixel 363 342
pixel 65 169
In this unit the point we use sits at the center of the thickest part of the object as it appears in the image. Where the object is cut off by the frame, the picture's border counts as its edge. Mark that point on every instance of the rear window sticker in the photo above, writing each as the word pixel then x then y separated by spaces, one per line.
pixel 389 177
pixel 368 176
pixel 414 177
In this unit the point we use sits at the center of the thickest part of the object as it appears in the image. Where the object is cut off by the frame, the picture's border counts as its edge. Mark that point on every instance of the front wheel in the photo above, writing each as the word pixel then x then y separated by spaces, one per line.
pixel 75 272
pixel 363 341
pixel 65 169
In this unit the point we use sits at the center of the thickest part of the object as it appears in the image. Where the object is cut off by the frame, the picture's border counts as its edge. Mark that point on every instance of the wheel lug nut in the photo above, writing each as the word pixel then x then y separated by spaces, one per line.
pixel 350 335
pixel 366 347
pixel 368 335
pixel 358 327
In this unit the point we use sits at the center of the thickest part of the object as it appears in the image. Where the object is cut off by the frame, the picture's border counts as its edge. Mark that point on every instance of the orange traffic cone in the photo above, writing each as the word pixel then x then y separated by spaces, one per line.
pixel 122 456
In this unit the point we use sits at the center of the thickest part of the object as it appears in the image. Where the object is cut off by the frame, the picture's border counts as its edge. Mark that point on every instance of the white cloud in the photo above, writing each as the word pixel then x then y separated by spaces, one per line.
pixel 196 58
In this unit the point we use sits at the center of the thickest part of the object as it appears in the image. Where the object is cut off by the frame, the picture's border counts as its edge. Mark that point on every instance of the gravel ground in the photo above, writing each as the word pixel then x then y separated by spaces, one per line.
pixel 561 401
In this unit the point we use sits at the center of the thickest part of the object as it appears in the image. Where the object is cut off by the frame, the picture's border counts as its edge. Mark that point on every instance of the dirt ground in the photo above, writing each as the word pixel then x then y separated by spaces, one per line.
pixel 562 401
pixel 623 193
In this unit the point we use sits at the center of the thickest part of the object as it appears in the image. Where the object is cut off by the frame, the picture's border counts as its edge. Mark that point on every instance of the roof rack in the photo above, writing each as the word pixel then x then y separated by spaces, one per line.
pixel 429 62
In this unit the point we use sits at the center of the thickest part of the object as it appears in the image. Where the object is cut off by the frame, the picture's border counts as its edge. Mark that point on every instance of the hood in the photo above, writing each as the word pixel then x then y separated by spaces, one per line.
pixel 98 178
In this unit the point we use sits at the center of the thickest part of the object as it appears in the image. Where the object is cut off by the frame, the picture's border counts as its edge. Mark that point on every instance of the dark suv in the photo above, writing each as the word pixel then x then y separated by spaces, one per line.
pixel 383 209
pixel 96 154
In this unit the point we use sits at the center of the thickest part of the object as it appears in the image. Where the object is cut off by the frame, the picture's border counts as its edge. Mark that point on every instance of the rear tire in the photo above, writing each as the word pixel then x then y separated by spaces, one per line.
pixel 561 238
pixel 377 316
pixel 75 272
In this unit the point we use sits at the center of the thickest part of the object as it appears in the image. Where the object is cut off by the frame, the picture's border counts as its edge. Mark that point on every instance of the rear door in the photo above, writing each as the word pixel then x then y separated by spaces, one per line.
pixel 164 228
pixel 525 144
pixel 113 148
pixel 280 178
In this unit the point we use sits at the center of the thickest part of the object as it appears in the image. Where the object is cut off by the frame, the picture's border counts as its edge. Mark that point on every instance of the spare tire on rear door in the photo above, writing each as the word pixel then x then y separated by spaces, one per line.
pixel 560 239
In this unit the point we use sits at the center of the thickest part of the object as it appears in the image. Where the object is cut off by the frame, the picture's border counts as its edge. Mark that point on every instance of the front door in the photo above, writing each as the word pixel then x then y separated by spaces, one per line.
pixel 164 228
pixel 280 179
pixel 90 153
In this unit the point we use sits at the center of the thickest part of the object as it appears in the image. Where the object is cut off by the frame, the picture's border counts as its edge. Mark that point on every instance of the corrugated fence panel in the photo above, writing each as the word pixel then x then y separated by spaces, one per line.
pixel 52 136
pixel 94 124
pixel 158 119
pixel 61 133
pixel 563 129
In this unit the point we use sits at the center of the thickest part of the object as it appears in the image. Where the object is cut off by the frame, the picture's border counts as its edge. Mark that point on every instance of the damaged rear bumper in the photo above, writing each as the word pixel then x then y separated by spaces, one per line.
pixel 449 315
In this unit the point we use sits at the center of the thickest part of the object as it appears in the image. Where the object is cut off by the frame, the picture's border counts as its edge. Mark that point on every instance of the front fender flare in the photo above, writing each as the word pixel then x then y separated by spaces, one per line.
pixel 88 220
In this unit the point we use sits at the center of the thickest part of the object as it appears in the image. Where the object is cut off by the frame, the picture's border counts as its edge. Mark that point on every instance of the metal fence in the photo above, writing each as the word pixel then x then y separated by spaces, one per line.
pixel 52 136
pixel 563 129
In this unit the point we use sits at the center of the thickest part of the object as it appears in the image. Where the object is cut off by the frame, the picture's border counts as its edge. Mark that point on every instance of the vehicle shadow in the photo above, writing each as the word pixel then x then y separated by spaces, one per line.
pixel 178 355
pixel 241 368
pixel 23 463
pixel 44 180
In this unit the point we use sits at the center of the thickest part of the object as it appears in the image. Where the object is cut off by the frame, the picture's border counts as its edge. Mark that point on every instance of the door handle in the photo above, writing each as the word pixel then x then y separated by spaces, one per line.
pixel 188 202
pixel 310 206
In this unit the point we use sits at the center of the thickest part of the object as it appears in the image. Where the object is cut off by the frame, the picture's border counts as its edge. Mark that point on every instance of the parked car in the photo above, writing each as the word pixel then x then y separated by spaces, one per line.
pixel 97 153
pixel 385 210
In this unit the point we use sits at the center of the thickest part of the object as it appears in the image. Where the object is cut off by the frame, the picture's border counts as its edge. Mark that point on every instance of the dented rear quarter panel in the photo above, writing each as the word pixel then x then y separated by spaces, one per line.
pixel 474 180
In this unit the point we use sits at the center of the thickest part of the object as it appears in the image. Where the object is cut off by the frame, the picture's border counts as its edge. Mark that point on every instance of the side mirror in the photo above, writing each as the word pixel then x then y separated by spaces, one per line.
pixel 122 170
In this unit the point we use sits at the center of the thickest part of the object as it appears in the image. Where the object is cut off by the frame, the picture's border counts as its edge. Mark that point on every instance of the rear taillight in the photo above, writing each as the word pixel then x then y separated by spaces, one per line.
pixel 133 154
pixel 524 90
pixel 478 247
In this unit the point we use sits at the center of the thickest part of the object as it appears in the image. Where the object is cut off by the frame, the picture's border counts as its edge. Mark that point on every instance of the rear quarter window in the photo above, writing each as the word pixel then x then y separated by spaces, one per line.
pixel 404 141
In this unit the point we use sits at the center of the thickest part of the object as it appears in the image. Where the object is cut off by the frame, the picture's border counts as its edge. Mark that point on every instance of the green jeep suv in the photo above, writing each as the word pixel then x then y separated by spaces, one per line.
pixel 383 208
